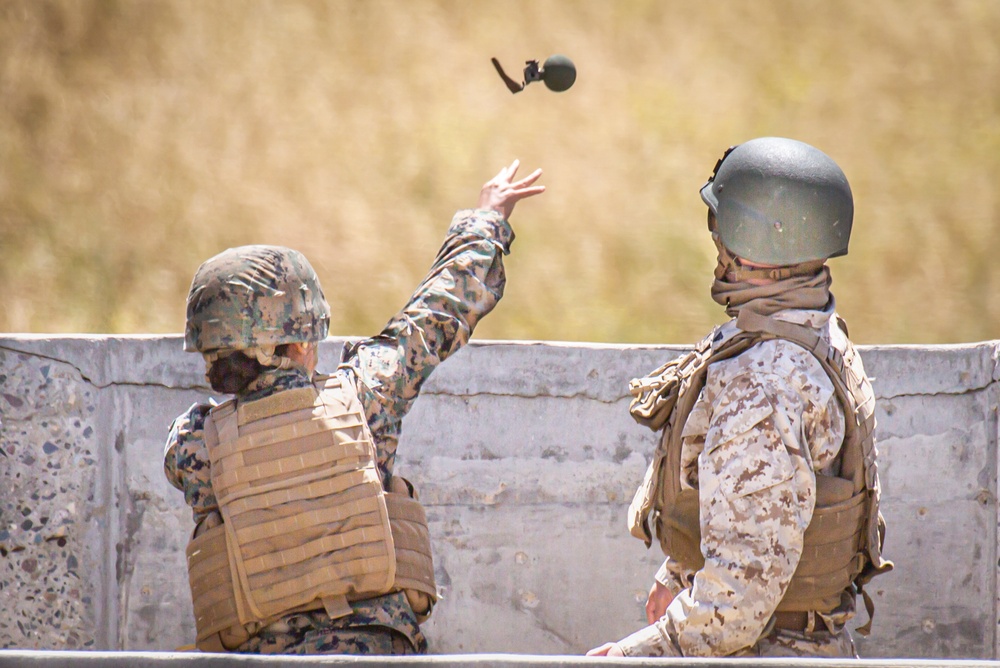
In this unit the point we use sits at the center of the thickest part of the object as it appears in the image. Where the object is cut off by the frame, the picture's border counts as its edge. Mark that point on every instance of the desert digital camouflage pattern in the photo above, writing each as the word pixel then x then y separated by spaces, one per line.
pixel 766 422
pixel 254 296
pixel 464 284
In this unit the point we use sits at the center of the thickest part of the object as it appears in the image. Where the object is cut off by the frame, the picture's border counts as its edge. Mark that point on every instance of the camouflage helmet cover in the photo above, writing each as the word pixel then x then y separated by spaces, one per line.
pixel 255 296
pixel 780 201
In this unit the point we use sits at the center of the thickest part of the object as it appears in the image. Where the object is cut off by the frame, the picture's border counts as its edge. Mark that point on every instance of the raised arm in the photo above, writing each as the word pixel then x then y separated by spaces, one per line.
pixel 463 285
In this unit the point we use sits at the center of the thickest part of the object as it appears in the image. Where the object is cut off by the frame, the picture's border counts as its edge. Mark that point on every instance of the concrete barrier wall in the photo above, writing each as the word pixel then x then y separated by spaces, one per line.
pixel 526 460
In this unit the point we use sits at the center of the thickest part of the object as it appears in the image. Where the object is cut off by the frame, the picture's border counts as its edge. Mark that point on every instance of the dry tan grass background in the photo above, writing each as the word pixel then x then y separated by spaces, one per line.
pixel 139 138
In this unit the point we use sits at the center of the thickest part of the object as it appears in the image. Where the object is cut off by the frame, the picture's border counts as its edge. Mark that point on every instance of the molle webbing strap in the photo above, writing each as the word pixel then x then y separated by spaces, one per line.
pixel 240 477
pixel 288 433
pixel 316 485
pixel 833 540
pixel 292 529
pixel 751 321
pixel 276 404
pixel 816 558
pixel 302 502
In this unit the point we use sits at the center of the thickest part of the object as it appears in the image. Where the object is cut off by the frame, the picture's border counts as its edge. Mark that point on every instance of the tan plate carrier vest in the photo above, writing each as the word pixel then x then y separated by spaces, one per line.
pixel 305 523
pixel 843 542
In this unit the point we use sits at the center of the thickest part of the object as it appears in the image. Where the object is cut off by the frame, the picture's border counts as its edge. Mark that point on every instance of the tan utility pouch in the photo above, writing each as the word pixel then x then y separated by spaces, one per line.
pixel 679 529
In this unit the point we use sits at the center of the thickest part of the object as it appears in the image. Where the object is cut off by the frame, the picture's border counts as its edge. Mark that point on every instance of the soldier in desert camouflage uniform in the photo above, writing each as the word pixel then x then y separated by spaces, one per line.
pixel 754 431
pixel 255 352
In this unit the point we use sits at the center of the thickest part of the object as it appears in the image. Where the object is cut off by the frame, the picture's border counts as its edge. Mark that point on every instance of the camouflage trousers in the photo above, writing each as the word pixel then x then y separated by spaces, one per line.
pixel 299 634
pixel 821 644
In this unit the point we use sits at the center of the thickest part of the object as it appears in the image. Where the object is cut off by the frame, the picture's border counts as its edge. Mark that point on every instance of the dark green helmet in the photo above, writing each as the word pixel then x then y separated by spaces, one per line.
pixel 780 201
pixel 254 296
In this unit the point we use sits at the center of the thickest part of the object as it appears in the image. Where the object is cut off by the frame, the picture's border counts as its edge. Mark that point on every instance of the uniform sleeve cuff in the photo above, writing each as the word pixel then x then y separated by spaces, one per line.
pixel 485 223
pixel 648 641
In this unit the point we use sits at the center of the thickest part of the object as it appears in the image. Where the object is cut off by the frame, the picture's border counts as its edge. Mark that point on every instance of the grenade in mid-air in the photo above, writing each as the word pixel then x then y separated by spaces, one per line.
pixel 557 72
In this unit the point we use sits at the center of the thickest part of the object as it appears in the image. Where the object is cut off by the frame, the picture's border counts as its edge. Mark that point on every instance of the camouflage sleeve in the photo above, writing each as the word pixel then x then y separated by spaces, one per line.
pixel 185 460
pixel 757 489
pixel 464 284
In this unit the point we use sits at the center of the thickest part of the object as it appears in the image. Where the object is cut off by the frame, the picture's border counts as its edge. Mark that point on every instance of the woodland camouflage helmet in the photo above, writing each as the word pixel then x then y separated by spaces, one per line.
pixel 780 201
pixel 255 296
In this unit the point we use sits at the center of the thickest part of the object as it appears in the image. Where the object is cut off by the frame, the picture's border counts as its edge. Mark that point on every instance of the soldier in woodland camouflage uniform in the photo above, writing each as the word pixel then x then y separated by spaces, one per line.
pixel 239 343
pixel 754 431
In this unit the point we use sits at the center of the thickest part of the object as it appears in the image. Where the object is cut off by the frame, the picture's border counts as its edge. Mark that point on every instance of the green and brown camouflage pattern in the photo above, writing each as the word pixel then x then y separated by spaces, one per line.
pixel 253 296
pixel 379 626
pixel 464 284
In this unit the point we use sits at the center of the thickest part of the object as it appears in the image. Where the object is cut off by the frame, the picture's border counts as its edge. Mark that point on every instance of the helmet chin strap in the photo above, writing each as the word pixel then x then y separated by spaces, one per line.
pixel 732 270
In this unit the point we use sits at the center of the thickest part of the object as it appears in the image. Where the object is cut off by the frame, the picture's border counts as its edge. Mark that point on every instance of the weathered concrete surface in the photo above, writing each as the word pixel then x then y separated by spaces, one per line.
pixel 526 460
pixel 49 659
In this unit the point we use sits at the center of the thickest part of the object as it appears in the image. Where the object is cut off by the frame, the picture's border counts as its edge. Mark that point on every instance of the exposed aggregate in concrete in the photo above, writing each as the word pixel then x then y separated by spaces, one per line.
pixel 47 456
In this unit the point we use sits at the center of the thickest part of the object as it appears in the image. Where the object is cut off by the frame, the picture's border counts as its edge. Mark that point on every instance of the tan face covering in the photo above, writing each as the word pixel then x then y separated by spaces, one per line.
pixel 800 286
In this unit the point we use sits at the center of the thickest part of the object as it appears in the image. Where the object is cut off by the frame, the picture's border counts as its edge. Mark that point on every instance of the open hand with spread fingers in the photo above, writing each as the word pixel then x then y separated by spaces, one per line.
pixel 501 194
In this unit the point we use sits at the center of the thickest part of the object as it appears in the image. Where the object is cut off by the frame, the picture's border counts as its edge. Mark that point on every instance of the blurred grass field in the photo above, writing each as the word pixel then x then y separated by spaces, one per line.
pixel 138 138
